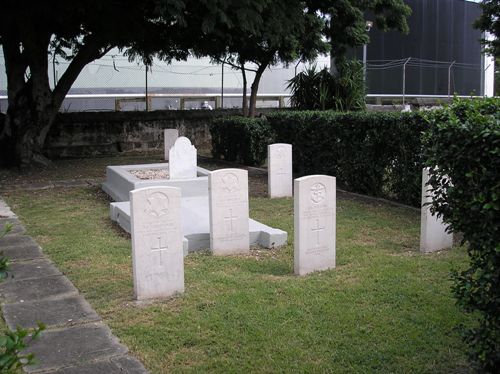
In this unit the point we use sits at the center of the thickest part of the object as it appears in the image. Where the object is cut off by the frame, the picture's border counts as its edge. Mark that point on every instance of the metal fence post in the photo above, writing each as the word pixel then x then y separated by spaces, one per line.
pixel 404 79
pixel 449 78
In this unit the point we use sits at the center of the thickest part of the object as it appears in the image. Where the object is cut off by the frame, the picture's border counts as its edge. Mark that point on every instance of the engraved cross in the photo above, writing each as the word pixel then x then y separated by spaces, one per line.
pixel 231 219
pixel 160 249
pixel 317 231
pixel 282 173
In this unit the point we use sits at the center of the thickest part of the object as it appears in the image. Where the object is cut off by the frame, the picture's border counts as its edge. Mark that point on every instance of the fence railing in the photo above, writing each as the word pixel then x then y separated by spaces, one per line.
pixel 119 102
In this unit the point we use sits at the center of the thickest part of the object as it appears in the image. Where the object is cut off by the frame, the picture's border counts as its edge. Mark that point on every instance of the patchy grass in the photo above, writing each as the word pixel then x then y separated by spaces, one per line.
pixel 386 308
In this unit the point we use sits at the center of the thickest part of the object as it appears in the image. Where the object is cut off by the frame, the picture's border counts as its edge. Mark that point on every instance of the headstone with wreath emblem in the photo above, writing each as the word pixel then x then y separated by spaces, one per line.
pixel 279 160
pixel 228 205
pixel 157 254
pixel 314 222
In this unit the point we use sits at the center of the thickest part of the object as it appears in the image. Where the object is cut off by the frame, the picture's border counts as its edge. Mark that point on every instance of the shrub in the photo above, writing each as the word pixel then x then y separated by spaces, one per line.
pixel 241 139
pixel 463 150
pixel 372 153
pixel 320 90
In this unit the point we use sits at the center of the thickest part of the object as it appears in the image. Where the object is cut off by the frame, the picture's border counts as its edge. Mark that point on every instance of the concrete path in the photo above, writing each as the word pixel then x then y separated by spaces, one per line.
pixel 76 340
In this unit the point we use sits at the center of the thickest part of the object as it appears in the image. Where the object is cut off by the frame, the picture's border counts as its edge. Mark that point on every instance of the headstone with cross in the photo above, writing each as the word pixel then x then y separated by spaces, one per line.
pixel 314 221
pixel 433 234
pixel 279 176
pixel 157 253
pixel 228 205
pixel 169 138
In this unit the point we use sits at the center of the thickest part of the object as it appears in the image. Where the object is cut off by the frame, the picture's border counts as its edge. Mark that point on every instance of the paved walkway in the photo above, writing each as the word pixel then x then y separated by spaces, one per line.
pixel 76 340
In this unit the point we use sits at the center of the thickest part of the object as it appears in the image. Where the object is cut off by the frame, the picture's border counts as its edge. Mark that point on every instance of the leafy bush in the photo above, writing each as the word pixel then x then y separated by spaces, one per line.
pixel 372 153
pixel 12 343
pixel 320 90
pixel 463 150
pixel 241 139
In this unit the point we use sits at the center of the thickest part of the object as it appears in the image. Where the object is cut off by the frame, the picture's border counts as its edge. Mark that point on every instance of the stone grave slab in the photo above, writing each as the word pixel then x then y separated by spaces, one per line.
pixel 169 138
pixel 182 159
pixel 280 174
pixel 119 181
pixel 157 255
pixel 73 346
pixel 196 228
pixel 113 365
pixel 17 227
pixel 53 312
pixel 36 289
pixel 228 212
pixel 314 222
pixel 22 252
pixel 37 268
pixel 433 235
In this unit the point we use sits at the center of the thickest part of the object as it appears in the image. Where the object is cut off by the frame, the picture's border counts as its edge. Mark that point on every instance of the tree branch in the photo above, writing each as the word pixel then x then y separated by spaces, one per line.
pixel 91 50
pixel 234 65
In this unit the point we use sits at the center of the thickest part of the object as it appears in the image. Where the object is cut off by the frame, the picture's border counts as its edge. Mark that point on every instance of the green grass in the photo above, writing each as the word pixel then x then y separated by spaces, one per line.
pixel 386 308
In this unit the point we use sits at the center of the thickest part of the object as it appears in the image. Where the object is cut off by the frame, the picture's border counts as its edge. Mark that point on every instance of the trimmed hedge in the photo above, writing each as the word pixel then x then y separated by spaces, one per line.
pixel 241 139
pixel 463 149
pixel 371 153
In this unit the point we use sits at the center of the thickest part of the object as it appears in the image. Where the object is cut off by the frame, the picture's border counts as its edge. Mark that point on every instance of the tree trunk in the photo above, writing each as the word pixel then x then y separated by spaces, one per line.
pixel 244 104
pixel 25 129
pixel 255 89
pixel 32 105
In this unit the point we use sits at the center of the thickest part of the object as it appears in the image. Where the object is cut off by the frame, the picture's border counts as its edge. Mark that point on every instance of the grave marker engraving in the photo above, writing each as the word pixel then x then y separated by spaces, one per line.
pixel 280 174
pixel 228 205
pixel 157 253
pixel 314 221
pixel 182 159
pixel 433 235
pixel 169 138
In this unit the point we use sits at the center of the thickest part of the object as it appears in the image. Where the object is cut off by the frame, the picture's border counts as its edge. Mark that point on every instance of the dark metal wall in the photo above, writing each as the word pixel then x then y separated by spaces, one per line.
pixel 440 30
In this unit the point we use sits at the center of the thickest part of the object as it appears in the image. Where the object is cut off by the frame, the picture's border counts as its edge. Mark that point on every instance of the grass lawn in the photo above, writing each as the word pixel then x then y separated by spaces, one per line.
pixel 386 308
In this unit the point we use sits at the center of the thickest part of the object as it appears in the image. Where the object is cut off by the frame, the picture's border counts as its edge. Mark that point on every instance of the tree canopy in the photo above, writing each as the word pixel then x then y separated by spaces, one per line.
pixel 261 32
pixel 79 31
pixel 489 22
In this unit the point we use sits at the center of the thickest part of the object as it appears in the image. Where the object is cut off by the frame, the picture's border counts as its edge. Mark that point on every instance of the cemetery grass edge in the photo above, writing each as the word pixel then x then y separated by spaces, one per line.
pixel 385 308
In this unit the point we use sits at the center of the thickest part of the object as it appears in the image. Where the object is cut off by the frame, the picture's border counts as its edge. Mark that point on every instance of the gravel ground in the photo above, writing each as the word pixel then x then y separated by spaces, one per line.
pixel 150 173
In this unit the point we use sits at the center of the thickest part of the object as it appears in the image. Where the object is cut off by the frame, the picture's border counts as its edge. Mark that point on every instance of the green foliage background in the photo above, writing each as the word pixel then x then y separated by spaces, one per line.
pixel 372 153
pixel 462 147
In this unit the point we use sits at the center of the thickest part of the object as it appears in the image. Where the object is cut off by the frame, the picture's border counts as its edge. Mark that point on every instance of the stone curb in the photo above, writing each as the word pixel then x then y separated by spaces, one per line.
pixel 75 341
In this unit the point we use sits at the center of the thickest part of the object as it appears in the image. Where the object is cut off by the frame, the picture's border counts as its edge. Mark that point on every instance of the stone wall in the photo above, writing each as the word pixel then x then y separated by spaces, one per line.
pixel 106 133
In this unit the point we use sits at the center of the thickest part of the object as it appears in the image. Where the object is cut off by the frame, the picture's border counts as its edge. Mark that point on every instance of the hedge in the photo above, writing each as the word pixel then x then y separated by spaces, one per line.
pixel 371 153
pixel 462 147
pixel 241 139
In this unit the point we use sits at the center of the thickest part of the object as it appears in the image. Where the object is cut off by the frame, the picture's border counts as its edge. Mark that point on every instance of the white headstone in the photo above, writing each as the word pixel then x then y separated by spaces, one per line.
pixel 182 159
pixel 157 254
pixel 314 222
pixel 433 235
pixel 279 177
pixel 228 201
pixel 169 138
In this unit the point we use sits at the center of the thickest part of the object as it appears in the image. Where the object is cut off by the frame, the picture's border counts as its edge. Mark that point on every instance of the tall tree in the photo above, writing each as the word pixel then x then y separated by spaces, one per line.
pixel 489 22
pixel 262 33
pixel 345 20
pixel 80 31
